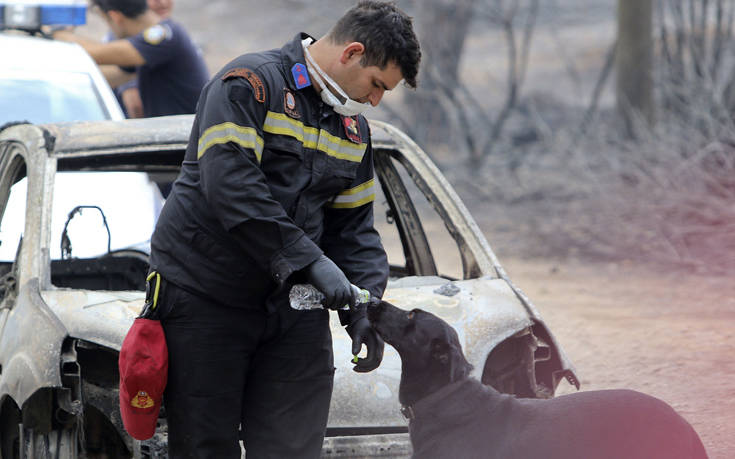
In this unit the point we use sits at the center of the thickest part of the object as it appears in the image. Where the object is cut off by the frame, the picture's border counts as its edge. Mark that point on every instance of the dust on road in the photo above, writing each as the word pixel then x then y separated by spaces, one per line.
pixel 669 334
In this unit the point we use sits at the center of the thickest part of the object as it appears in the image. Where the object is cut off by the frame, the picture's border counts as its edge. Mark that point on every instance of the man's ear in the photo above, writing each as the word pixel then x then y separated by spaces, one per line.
pixel 352 51
pixel 116 17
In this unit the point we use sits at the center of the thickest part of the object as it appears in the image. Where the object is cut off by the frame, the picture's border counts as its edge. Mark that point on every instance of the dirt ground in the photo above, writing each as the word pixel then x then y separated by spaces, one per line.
pixel 669 334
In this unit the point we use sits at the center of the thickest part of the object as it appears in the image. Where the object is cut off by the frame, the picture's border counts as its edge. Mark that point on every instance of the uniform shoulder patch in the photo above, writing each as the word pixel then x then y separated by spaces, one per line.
pixel 252 78
pixel 155 34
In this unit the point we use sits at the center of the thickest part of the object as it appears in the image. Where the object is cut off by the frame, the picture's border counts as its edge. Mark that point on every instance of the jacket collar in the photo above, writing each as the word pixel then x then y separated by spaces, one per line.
pixel 292 54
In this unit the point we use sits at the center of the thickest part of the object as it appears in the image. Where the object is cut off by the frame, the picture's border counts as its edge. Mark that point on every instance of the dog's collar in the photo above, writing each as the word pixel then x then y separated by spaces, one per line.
pixel 409 411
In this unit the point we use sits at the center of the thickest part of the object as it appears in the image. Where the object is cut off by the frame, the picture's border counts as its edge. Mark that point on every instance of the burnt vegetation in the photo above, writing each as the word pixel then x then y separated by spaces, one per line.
pixel 559 172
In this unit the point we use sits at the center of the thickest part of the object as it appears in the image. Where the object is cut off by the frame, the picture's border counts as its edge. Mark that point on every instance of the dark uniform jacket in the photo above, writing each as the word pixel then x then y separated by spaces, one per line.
pixel 272 178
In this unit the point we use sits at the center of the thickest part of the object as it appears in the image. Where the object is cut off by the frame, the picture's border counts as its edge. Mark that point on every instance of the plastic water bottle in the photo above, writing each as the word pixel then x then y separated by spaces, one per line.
pixel 306 296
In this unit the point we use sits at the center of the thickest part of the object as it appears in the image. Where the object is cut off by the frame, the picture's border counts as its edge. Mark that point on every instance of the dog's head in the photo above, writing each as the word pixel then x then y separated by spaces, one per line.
pixel 431 354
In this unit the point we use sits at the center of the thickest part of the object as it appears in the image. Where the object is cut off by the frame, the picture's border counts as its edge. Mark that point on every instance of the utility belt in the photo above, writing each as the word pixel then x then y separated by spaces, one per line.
pixel 155 286
pixel 156 289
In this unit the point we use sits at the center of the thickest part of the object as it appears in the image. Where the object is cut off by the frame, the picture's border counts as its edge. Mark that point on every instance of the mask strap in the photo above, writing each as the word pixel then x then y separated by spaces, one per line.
pixel 319 73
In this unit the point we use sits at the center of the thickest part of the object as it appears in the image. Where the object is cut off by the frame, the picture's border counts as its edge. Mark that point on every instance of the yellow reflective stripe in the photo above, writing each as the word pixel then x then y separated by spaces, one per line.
pixel 355 197
pixel 278 123
pixel 246 137
pixel 340 148
pixel 316 139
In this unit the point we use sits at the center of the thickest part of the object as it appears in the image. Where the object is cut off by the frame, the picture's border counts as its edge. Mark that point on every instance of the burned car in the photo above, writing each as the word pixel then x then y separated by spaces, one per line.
pixel 78 203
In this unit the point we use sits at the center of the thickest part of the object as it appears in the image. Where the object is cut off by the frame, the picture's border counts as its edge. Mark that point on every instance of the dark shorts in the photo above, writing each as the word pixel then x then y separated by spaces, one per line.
pixel 232 367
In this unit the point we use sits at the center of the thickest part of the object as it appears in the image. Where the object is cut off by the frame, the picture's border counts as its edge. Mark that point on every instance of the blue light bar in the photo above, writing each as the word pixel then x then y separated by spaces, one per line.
pixel 72 15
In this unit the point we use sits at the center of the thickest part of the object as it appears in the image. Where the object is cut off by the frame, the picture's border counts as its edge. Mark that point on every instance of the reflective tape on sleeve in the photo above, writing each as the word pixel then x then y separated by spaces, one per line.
pixel 246 137
pixel 355 197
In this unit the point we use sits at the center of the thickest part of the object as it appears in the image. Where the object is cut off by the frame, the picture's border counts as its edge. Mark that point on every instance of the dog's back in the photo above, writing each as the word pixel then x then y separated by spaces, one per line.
pixel 475 421
pixel 609 424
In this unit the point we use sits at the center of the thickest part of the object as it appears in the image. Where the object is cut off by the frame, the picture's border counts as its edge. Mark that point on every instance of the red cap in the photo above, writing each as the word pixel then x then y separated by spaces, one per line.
pixel 143 367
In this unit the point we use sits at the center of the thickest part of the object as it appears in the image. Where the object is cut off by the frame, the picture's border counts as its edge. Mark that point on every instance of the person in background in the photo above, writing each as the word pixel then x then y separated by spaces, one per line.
pixel 276 188
pixel 128 94
pixel 159 52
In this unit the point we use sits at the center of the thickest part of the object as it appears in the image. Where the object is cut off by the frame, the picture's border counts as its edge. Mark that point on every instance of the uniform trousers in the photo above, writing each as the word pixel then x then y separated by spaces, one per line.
pixel 270 374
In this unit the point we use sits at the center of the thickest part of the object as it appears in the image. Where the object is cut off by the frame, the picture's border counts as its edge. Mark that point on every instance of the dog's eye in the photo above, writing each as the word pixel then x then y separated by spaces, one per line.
pixel 410 315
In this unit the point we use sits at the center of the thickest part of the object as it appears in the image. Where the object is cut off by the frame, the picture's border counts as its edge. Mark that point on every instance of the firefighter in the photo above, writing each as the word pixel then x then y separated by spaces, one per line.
pixel 276 188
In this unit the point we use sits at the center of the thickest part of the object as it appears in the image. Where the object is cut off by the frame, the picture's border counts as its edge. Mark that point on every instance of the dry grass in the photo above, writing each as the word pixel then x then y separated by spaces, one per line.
pixel 668 197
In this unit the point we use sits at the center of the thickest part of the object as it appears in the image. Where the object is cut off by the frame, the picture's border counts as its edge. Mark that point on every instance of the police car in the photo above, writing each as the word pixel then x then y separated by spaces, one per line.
pixel 45 81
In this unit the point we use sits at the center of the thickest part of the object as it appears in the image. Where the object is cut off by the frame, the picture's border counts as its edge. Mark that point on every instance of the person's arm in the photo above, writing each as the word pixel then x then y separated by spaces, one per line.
pixel 351 240
pixel 116 76
pixel 132 101
pixel 116 52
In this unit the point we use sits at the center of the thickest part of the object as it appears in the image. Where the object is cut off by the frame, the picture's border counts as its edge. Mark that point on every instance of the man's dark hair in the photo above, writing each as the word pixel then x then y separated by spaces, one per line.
pixel 129 8
pixel 387 33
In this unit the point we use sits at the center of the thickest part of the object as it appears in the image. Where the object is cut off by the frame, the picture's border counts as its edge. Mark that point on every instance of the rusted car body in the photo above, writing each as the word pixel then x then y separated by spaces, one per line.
pixel 63 319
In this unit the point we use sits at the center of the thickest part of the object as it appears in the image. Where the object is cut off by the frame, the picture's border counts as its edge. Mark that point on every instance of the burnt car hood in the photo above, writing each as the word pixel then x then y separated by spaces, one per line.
pixel 484 312
pixel 101 317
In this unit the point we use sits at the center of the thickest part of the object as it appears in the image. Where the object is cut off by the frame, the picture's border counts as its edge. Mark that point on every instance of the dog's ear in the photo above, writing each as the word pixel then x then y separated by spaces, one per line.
pixel 440 351
pixel 460 368
pixel 449 356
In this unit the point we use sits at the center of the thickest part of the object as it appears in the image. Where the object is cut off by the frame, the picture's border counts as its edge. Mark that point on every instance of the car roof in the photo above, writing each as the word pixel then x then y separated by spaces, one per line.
pixel 23 52
pixel 115 142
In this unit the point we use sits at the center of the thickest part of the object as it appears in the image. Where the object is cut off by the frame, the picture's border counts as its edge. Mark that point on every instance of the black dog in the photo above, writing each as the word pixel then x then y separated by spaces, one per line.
pixel 453 416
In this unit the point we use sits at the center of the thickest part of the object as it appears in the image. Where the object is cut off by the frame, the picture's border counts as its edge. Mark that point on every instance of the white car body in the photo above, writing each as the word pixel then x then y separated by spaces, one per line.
pixel 47 81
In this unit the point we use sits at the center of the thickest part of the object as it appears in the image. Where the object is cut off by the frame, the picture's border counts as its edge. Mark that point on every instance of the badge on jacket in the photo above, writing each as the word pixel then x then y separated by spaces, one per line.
pixel 300 75
pixel 155 34
pixel 289 104
pixel 352 129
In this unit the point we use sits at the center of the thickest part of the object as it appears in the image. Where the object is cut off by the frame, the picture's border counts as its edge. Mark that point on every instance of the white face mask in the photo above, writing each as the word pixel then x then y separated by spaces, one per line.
pixel 349 107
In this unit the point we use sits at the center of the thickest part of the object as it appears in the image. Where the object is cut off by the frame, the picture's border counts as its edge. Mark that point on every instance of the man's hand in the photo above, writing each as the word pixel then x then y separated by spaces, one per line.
pixel 49 31
pixel 331 281
pixel 362 333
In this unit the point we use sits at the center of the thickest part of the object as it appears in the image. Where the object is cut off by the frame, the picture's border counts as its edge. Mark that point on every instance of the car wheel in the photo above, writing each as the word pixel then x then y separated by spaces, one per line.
pixel 10 419
pixel 57 444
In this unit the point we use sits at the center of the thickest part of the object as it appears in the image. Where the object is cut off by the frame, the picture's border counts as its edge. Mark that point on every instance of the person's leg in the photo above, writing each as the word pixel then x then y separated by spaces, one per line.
pixel 209 349
pixel 289 388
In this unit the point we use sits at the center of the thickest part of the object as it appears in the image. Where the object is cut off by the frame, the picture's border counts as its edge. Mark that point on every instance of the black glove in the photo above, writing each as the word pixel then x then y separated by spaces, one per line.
pixel 362 333
pixel 331 281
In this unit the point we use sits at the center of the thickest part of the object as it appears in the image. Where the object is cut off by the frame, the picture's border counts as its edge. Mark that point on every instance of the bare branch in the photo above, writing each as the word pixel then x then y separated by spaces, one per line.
pixel 517 66
pixel 597 92
pixel 717 39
